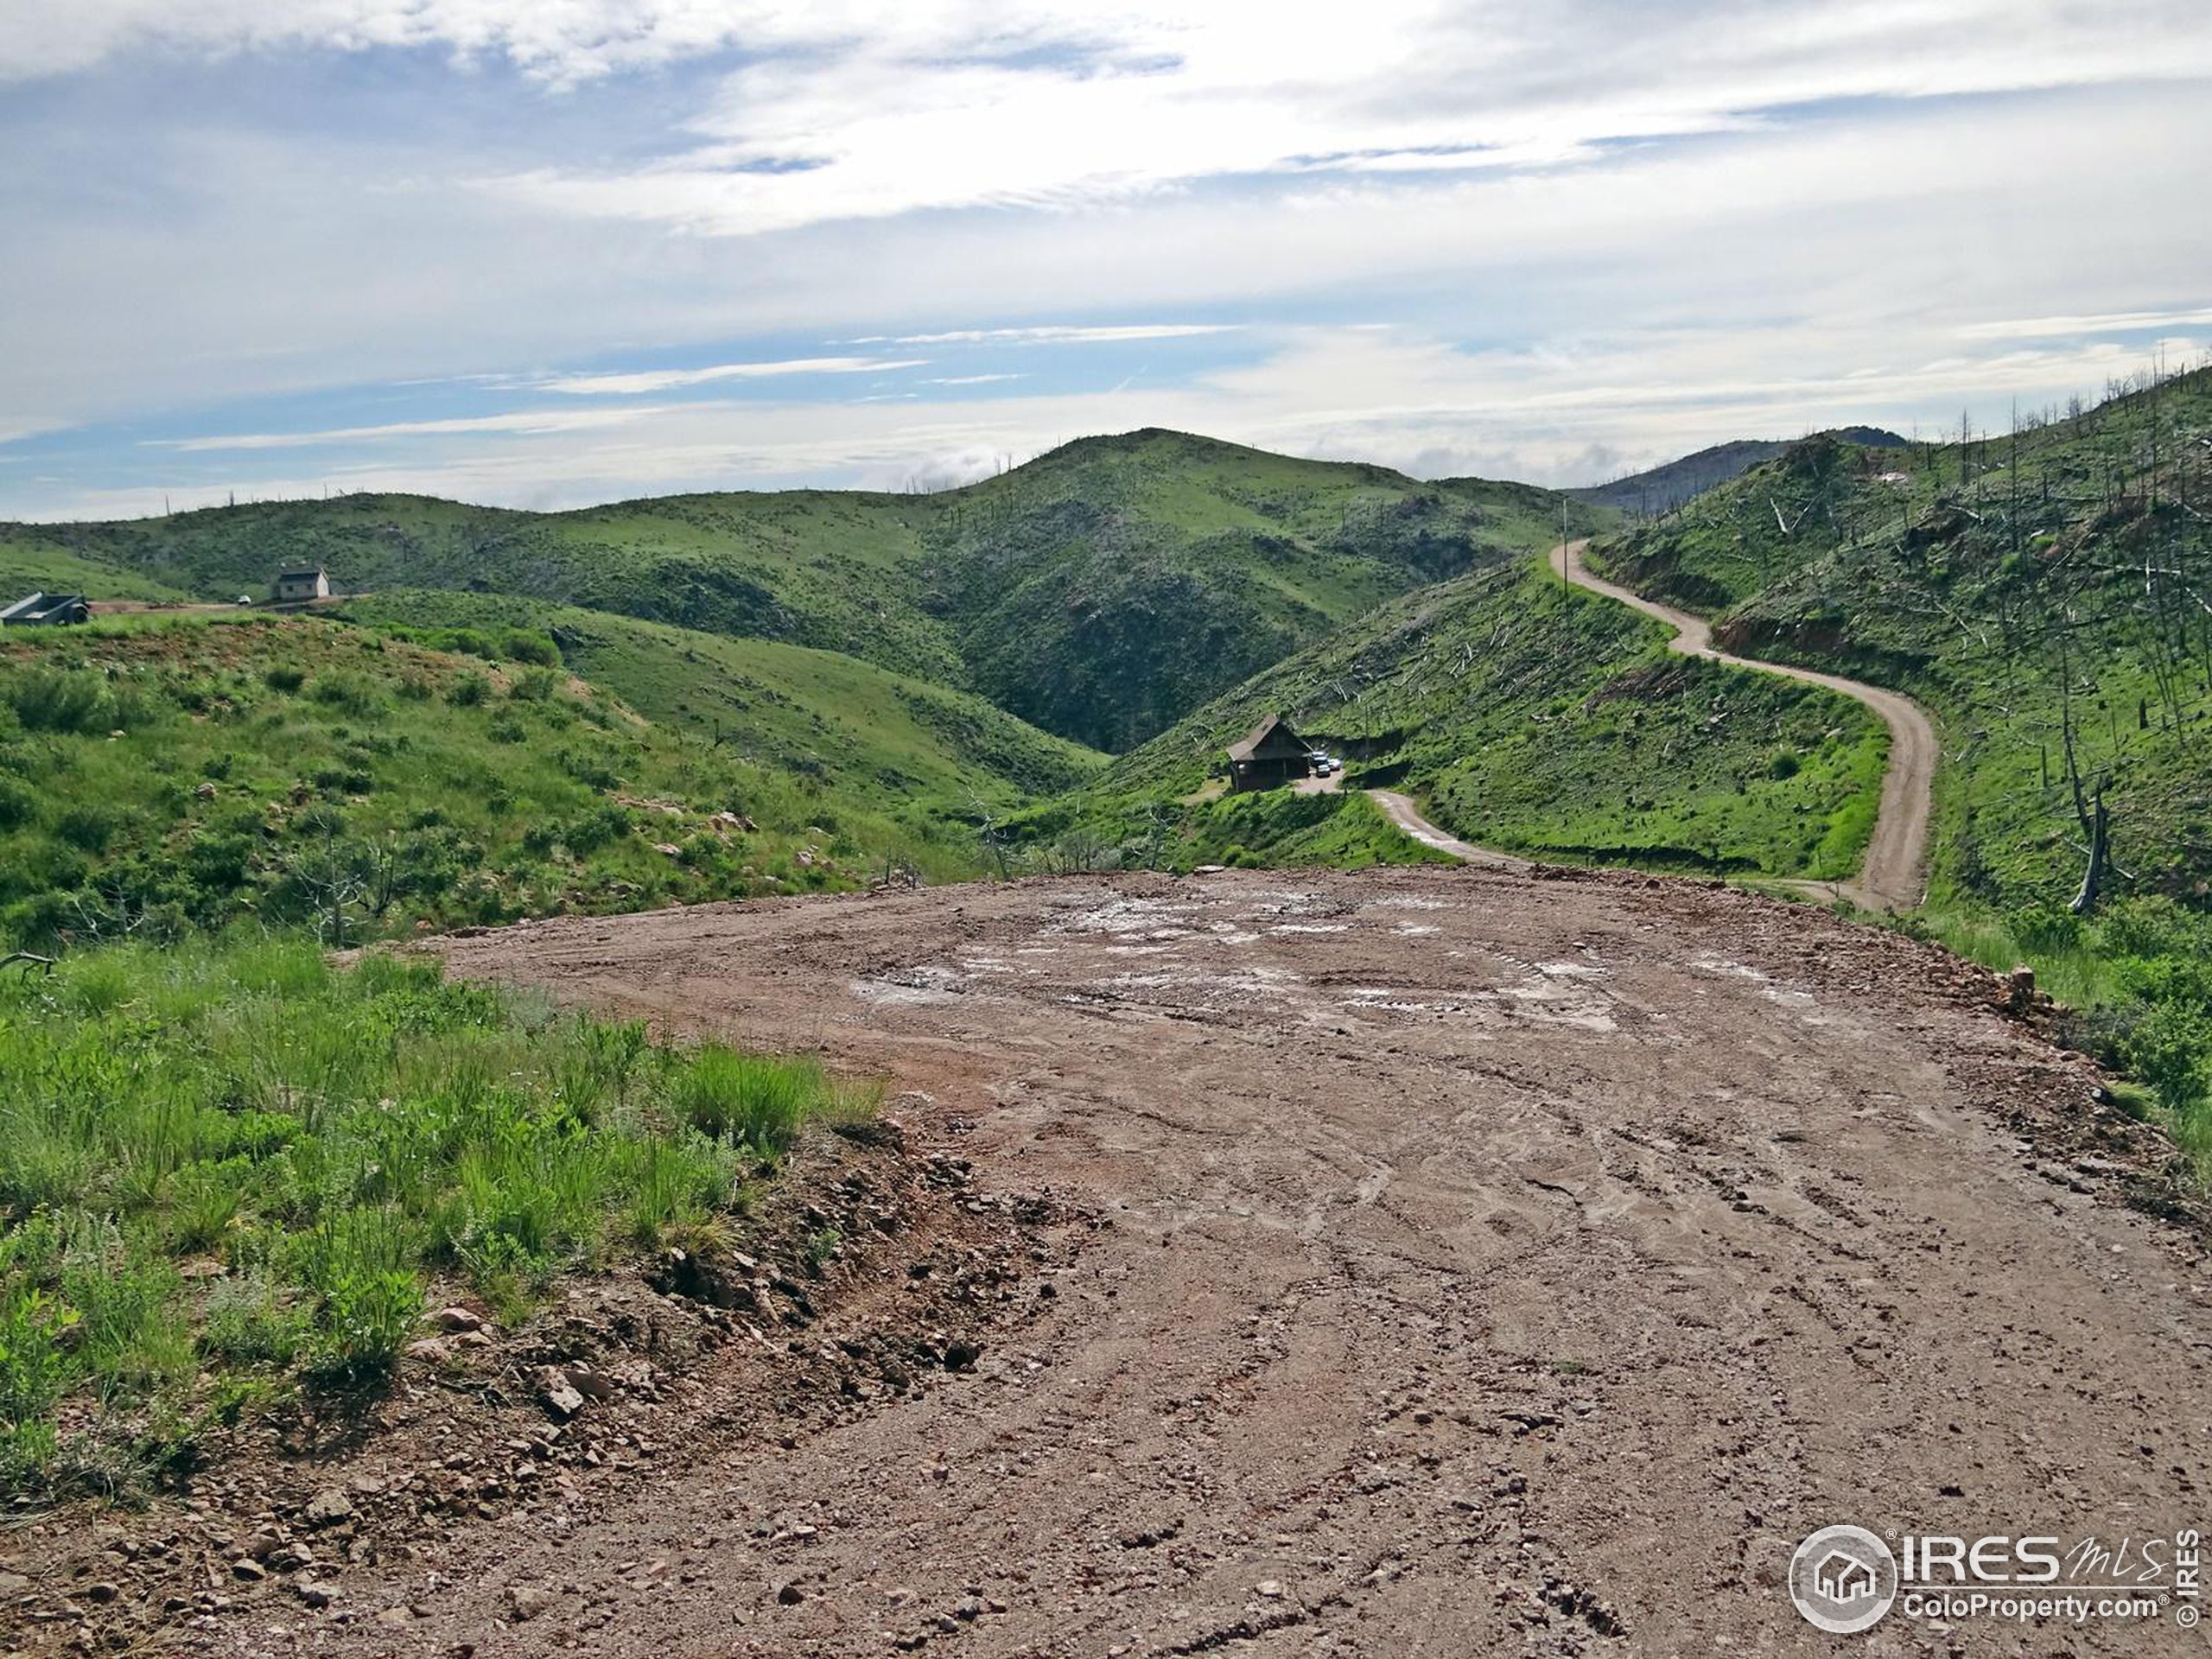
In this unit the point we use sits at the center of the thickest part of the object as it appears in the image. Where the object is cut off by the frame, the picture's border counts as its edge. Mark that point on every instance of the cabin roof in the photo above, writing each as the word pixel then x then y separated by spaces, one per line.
pixel 1274 732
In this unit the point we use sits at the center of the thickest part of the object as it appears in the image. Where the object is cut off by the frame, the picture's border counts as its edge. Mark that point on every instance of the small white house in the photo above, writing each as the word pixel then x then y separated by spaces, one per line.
pixel 298 586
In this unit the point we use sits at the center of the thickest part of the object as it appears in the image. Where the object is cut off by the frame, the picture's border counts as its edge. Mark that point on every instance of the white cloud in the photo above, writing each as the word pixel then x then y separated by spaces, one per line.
pixel 930 114
pixel 520 423
pixel 2110 322
pixel 1823 210
pixel 1057 335
pixel 650 380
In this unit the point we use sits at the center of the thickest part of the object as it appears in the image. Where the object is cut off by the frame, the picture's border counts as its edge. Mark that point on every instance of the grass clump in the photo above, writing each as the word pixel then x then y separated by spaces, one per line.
pixel 228 1170
pixel 2138 978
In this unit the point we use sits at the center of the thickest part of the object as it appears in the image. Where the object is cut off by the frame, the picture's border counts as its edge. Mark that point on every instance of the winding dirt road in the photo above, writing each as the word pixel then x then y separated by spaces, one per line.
pixel 1475 1264
pixel 1893 873
pixel 1401 811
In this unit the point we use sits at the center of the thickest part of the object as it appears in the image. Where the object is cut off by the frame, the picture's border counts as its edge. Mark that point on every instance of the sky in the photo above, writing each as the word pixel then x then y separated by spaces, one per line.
pixel 545 253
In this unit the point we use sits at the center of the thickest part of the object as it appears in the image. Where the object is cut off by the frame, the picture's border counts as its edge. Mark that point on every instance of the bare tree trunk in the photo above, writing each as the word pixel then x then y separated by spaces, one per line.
pixel 2085 901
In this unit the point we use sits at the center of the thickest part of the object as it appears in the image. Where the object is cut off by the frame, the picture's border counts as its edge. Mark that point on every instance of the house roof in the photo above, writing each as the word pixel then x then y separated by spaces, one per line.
pixel 1252 741
pixel 303 573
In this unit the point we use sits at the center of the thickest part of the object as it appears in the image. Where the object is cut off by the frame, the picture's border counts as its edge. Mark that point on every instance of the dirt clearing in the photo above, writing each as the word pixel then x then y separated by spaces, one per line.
pixel 1496 1265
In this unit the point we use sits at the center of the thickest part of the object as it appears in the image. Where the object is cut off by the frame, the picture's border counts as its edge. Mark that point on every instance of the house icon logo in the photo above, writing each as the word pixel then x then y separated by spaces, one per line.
pixel 1843 1579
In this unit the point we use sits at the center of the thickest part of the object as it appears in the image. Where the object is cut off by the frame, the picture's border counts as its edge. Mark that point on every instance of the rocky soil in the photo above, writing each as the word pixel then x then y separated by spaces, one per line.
pixel 1406 1262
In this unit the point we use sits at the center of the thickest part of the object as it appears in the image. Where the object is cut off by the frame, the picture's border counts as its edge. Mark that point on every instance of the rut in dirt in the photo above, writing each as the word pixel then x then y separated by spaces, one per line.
pixel 1475 1263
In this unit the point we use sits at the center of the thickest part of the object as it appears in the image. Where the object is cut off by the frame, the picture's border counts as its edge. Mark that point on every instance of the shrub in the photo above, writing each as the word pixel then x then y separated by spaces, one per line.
pixel 2047 927
pixel 34 1372
pixel 284 677
pixel 59 700
pixel 351 692
pixel 521 645
pixel 468 691
pixel 2171 1049
pixel 359 1263
pixel 537 684
pixel 249 1323
pixel 18 803
pixel 89 826
pixel 601 826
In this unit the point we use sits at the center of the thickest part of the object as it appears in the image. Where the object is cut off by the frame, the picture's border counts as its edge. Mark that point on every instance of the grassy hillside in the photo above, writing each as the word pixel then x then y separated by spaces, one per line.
pixel 2041 592
pixel 1109 588
pixel 843 729
pixel 1100 591
pixel 170 776
pixel 229 1175
pixel 33 564
pixel 2047 596
pixel 1549 721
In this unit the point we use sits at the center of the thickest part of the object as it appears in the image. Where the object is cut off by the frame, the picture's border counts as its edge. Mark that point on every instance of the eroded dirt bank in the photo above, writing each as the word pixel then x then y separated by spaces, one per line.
pixel 1497 1265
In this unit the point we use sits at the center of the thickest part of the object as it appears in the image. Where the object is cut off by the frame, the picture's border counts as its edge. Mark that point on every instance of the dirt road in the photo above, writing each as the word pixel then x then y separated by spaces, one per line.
pixel 1495 1266
pixel 1893 876
pixel 1401 811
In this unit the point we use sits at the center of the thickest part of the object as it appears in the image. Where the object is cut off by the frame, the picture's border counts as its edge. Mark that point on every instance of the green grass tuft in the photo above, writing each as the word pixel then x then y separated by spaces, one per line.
pixel 232 1164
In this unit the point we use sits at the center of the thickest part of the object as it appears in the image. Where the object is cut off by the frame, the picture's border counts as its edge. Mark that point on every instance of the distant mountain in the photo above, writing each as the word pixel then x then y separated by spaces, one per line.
pixel 1100 591
pixel 1662 489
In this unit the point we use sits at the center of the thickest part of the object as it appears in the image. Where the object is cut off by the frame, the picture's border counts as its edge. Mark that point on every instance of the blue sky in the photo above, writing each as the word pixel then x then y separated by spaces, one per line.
pixel 549 255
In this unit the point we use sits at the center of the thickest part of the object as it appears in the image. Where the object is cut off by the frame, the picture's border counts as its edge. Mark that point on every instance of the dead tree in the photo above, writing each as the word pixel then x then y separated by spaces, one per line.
pixel 2099 830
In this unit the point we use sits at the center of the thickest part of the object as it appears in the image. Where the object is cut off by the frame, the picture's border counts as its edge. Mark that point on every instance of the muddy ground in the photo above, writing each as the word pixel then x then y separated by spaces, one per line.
pixel 1429 1263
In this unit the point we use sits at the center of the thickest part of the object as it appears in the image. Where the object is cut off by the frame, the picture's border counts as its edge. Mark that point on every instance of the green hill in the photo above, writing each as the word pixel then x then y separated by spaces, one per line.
pixel 1110 586
pixel 1100 592
pixel 2047 595
pixel 843 729
pixel 163 776
pixel 1548 721
pixel 1664 488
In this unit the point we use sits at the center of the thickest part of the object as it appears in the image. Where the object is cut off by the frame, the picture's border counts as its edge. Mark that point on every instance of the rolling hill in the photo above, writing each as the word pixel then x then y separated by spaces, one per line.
pixel 1662 489
pixel 171 774
pixel 2046 595
pixel 1100 592
pixel 1546 721
pixel 843 729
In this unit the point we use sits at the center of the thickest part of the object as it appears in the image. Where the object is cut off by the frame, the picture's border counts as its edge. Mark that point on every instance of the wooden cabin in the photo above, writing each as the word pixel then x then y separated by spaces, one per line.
pixel 1269 756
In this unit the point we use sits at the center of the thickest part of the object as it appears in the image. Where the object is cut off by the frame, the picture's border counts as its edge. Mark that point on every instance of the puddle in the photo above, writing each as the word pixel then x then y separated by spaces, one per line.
pixel 932 983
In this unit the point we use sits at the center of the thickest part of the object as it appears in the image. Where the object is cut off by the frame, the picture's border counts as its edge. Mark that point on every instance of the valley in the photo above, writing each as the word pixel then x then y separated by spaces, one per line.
pixel 1271 1119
